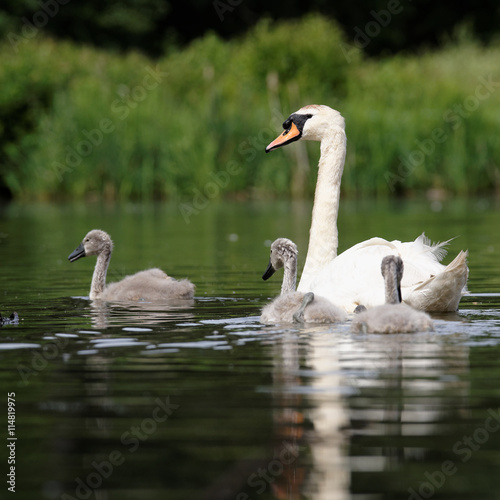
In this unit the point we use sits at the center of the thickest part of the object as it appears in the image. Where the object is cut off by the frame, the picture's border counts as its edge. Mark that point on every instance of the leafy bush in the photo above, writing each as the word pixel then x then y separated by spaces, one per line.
pixel 80 122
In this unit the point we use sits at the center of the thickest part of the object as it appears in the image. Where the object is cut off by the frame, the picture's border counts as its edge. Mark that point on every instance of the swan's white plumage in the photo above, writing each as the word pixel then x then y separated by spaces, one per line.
pixel 426 284
pixel 352 278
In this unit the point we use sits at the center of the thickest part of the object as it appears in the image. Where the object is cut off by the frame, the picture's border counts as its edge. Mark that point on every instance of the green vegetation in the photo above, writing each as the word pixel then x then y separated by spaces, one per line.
pixel 77 122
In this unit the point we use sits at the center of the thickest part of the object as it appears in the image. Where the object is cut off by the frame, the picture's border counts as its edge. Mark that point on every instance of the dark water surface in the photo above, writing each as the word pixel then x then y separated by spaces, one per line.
pixel 202 402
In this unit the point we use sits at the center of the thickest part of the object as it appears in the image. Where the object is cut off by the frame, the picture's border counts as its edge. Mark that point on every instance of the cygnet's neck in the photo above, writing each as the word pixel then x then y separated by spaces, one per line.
pixel 392 287
pixel 323 236
pixel 289 276
pixel 99 277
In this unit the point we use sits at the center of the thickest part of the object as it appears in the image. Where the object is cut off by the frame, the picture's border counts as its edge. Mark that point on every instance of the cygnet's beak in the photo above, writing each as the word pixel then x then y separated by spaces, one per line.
pixel 269 271
pixel 289 135
pixel 77 253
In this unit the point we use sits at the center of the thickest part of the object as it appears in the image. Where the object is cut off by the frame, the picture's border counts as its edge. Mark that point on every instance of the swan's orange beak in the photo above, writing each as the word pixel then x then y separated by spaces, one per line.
pixel 289 135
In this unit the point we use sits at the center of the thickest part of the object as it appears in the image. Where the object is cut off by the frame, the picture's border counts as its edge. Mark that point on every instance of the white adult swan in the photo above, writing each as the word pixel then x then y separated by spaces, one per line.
pixel 393 316
pixel 292 306
pixel 352 278
pixel 150 285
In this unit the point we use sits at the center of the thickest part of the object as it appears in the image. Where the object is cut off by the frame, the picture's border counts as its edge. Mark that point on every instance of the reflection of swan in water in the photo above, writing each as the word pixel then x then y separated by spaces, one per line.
pixel 292 306
pixel 393 316
pixel 150 285
pixel 352 277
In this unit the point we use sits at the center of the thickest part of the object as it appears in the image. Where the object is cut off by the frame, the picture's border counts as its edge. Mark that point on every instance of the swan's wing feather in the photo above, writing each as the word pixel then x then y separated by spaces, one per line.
pixel 354 276
pixel 421 260
pixel 443 291
pixel 437 249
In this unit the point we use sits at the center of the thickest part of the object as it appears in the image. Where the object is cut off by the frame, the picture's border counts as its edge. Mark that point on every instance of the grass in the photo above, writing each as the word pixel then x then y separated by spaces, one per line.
pixel 77 122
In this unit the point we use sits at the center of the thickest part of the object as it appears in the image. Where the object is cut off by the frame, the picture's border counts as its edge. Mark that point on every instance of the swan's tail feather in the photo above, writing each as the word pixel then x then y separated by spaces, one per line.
pixel 443 291
pixel 459 266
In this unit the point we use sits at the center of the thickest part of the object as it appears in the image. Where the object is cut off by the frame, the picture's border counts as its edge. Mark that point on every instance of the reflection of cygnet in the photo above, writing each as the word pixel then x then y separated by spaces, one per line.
pixel 393 316
pixel 150 285
pixel 292 306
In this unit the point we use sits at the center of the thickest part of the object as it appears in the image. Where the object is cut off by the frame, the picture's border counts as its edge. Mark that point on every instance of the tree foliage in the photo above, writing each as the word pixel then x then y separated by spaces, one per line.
pixel 151 25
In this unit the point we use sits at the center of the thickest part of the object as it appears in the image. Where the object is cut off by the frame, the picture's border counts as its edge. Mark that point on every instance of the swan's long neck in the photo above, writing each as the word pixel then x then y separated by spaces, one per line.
pixel 323 236
pixel 289 276
pixel 99 277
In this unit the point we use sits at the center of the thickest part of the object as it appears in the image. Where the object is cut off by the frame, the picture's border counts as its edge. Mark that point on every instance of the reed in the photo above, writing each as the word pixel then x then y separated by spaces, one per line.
pixel 77 122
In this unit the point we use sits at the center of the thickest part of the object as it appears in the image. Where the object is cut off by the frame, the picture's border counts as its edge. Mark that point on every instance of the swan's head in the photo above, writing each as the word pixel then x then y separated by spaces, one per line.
pixel 94 243
pixel 313 123
pixel 283 250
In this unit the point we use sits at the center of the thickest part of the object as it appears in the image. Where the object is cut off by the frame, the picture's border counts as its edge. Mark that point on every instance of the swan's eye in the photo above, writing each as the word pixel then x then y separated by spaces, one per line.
pixel 309 116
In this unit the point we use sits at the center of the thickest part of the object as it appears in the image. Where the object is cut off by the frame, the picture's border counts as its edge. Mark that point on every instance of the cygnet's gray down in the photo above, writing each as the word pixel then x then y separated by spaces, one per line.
pixel 292 306
pixel 151 285
pixel 394 316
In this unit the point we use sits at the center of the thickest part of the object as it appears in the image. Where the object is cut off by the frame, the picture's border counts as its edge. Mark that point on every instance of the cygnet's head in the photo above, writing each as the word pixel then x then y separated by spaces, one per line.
pixel 94 243
pixel 283 250
pixel 312 122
